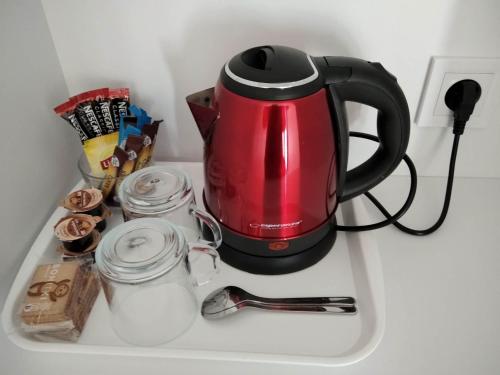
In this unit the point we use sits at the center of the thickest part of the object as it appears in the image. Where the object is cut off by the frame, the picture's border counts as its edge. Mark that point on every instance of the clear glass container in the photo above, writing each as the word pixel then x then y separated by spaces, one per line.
pixel 147 279
pixel 167 193
pixel 97 181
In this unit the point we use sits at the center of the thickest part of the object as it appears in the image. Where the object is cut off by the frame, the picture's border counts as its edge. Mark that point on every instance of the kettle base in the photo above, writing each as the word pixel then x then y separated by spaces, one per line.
pixel 277 265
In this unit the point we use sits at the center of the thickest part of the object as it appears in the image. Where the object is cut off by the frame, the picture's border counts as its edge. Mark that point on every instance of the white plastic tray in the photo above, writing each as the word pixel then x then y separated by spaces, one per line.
pixel 352 268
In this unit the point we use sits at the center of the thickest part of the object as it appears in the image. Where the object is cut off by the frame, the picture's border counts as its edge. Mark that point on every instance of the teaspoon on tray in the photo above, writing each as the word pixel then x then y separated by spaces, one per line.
pixel 231 299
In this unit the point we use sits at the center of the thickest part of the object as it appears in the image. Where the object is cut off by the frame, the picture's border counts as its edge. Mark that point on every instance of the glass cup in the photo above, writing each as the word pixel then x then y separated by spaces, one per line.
pixel 97 181
pixel 145 270
pixel 167 193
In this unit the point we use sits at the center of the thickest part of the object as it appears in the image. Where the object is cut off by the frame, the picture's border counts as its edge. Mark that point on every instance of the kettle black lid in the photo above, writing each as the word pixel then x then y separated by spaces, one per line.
pixel 271 73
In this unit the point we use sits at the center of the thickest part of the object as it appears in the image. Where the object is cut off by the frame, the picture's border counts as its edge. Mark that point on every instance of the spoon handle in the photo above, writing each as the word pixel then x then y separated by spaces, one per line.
pixel 332 305
pixel 307 300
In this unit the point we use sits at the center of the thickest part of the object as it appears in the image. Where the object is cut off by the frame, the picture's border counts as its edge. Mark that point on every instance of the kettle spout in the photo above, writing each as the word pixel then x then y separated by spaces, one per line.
pixel 201 106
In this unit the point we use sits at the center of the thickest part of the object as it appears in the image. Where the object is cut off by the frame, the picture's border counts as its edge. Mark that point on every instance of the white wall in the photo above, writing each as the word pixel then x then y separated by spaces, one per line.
pixel 37 150
pixel 165 50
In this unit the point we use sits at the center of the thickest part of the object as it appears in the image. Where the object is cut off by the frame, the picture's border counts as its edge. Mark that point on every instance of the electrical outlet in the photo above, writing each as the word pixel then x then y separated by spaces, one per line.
pixel 443 73
pixel 449 79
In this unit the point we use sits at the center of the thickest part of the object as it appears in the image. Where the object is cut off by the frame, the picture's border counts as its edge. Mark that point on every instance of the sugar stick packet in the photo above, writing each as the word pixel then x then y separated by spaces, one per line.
pixel 146 153
pixel 132 147
pixel 117 161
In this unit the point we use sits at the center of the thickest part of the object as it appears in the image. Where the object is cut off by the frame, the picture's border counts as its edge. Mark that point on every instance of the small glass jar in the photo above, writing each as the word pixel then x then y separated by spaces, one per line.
pixel 98 181
pixel 167 193
pixel 146 276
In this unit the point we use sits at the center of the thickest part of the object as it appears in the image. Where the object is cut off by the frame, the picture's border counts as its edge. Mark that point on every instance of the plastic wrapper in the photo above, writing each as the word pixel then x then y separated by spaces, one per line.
pixel 103 119
pixel 119 104
pixel 91 114
pixel 132 147
pixel 128 126
pixel 98 151
pixel 146 153
pixel 117 161
pixel 66 111
pixel 86 115
pixel 141 115
pixel 58 300
pixel 102 108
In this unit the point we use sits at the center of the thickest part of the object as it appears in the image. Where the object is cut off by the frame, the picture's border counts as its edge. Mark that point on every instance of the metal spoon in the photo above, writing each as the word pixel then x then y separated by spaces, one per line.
pixel 230 299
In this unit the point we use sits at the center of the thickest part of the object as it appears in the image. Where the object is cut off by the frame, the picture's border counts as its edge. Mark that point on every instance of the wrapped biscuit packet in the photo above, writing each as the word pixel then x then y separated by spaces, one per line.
pixel 58 300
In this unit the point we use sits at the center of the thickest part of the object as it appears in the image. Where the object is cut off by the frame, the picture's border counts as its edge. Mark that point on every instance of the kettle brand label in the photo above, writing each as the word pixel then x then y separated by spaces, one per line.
pixel 275 226
pixel 278 245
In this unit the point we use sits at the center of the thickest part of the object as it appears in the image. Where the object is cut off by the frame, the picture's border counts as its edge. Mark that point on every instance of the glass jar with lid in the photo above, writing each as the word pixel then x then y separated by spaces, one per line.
pixel 146 274
pixel 165 192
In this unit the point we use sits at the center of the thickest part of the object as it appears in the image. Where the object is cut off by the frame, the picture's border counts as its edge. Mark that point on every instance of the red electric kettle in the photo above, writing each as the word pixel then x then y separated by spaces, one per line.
pixel 276 147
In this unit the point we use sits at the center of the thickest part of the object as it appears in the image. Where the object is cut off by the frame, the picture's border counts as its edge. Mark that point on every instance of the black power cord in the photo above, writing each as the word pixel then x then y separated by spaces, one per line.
pixel 461 99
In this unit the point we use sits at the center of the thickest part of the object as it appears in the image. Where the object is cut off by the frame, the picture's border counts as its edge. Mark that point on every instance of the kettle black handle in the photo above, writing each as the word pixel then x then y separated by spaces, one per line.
pixel 350 79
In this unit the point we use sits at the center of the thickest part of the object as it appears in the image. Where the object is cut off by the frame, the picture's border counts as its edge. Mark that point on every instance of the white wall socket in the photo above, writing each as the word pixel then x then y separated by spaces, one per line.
pixel 442 74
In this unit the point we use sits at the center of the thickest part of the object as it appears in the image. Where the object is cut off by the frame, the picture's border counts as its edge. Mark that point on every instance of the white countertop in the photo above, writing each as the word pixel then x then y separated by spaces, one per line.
pixel 442 291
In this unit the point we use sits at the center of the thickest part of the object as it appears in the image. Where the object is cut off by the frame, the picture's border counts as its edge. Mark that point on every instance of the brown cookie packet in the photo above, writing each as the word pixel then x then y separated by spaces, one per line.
pixel 58 300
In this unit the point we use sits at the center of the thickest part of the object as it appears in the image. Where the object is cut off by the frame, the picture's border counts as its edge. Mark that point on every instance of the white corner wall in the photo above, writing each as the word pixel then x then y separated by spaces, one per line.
pixel 37 150
pixel 165 50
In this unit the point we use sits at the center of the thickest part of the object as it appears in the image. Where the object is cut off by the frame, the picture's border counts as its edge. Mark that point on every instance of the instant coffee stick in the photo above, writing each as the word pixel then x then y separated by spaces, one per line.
pixel 119 104
pixel 105 106
pixel 102 108
pixel 66 111
pixel 86 113
pixel 88 119
pixel 96 96
pixel 93 97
